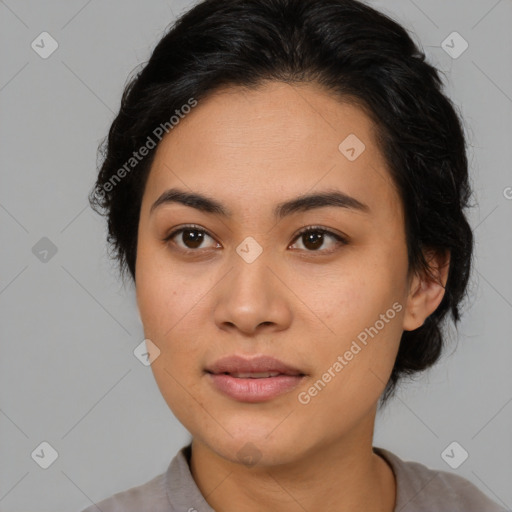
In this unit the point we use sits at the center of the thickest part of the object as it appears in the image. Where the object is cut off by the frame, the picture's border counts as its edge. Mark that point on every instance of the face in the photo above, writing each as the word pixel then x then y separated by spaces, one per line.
pixel 330 303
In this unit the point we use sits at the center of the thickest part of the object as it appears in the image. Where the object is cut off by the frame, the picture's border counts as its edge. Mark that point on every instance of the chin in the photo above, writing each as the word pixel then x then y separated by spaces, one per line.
pixel 250 444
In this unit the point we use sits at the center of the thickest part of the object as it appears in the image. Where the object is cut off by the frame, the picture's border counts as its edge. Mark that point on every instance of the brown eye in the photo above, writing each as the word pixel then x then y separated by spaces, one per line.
pixel 189 237
pixel 192 238
pixel 314 239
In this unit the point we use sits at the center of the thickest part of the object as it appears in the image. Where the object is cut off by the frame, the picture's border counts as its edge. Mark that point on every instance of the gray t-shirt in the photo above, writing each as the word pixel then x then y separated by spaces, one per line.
pixel 419 489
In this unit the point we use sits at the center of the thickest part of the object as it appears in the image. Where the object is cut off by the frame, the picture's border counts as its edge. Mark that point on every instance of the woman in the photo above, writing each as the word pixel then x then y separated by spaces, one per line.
pixel 286 182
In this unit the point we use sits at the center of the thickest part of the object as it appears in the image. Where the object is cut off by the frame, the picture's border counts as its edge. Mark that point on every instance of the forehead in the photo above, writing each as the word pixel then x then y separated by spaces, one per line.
pixel 276 141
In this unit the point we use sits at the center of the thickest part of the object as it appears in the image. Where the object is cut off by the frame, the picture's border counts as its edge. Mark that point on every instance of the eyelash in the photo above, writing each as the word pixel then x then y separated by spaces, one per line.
pixel 315 229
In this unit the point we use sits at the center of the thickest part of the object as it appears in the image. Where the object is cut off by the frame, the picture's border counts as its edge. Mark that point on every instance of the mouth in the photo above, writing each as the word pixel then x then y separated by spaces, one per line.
pixel 256 367
pixel 253 380
pixel 255 375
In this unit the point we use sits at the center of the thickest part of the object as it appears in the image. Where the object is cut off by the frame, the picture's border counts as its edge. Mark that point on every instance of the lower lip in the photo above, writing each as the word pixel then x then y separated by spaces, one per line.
pixel 254 390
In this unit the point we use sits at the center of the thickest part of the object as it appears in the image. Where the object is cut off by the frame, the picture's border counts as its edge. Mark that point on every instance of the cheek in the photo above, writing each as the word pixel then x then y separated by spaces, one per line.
pixel 166 298
pixel 169 320
pixel 351 296
pixel 361 311
pixel 353 368
pixel 171 307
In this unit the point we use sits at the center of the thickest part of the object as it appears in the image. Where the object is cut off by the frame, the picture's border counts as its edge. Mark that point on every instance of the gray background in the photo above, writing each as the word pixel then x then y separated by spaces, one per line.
pixel 68 375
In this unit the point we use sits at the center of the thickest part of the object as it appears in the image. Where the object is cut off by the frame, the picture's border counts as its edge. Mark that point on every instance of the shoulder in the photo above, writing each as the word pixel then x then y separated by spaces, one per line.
pixel 421 489
pixel 170 491
pixel 151 495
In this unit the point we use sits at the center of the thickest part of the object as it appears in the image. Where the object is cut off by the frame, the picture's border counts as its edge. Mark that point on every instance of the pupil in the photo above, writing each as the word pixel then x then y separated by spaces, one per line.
pixel 190 239
pixel 313 238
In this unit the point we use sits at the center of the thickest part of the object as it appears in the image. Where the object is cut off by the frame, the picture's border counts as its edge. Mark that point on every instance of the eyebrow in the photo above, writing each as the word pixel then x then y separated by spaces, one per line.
pixel 299 204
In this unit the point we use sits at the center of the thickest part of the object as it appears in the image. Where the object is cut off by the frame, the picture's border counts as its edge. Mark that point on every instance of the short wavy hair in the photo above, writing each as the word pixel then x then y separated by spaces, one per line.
pixel 361 56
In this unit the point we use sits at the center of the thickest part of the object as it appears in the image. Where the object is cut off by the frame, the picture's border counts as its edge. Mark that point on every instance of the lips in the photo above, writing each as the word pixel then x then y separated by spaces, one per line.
pixel 253 380
pixel 249 375
pixel 257 367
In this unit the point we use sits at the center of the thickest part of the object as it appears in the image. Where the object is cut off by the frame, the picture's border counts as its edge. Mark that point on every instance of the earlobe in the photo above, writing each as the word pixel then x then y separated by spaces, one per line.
pixel 427 290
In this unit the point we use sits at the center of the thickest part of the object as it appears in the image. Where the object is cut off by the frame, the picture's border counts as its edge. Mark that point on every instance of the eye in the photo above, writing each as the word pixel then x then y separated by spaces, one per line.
pixel 192 237
pixel 314 237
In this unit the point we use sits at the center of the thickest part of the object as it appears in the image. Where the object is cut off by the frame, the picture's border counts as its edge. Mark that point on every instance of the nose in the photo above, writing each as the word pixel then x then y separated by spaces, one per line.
pixel 251 298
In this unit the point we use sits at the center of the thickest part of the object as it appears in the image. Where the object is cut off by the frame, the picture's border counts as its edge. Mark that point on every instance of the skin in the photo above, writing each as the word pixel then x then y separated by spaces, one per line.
pixel 250 150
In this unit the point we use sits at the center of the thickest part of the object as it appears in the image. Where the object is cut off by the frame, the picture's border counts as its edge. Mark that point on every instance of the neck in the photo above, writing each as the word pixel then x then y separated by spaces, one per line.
pixel 344 475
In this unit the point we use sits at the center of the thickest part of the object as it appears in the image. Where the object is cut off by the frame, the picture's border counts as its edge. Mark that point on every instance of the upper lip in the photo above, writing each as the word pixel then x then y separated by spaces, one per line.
pixel 258 364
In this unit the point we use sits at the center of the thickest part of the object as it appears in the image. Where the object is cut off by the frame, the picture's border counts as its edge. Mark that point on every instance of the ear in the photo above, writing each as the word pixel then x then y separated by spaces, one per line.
pixel 426 291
